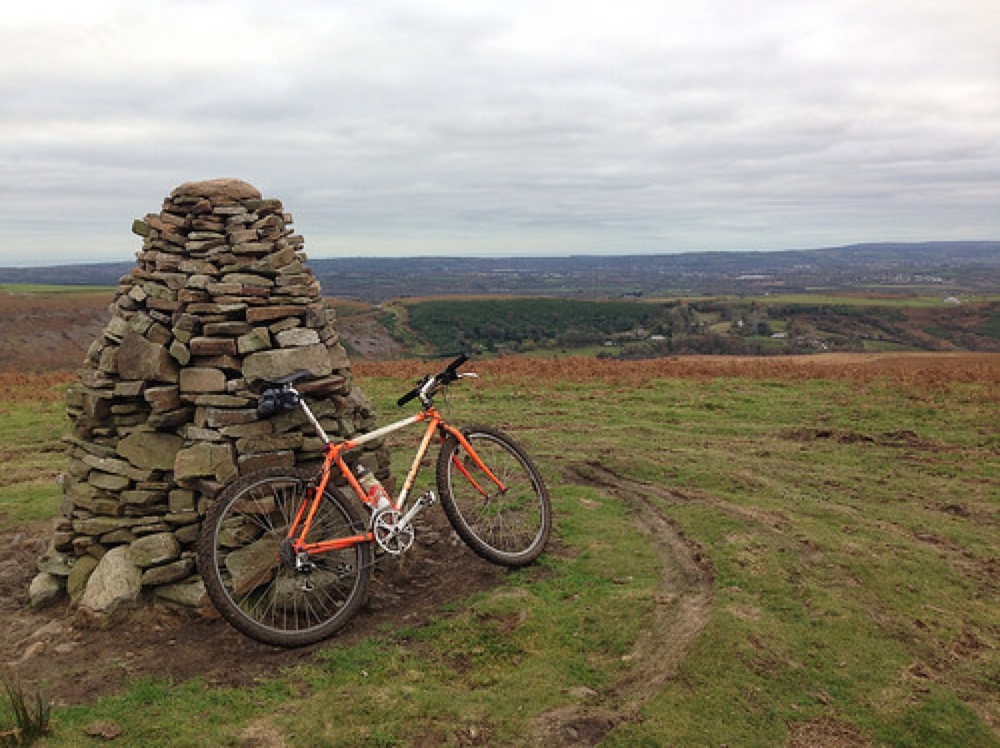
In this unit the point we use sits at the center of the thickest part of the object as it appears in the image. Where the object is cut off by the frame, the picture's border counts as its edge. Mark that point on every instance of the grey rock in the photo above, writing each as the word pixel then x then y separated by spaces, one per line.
pixel 150 449
pixel 45 589
pixel 76 583
pixel 258 339
pixel 153 550
pixel 114 583
pixel 164 410
pixel 297 337
pixel 168 573
pixel 139 358
pixel 205 460
pixel 273 364
pixel 108 481
pixel 199 379
pixel 187 594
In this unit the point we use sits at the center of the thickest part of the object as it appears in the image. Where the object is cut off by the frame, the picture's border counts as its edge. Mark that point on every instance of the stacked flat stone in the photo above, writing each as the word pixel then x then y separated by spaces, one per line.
pixel 164 412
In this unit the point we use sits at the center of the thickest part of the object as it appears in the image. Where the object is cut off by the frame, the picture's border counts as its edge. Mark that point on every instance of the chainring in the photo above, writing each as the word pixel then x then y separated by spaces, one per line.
pixel 391 537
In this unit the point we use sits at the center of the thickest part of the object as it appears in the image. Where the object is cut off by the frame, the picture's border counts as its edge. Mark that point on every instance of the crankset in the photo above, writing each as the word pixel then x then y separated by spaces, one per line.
pixel 392 535
pixel 394 531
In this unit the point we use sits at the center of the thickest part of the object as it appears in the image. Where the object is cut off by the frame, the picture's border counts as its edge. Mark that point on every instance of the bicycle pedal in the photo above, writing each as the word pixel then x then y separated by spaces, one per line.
pixel 428 499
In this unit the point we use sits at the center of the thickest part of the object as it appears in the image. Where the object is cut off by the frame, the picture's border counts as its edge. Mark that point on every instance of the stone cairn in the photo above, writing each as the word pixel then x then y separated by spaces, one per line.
pixel 163 414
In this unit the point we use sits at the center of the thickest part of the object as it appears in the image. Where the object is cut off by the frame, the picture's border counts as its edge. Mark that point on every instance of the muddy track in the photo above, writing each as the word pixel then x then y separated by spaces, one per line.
pixel 682 607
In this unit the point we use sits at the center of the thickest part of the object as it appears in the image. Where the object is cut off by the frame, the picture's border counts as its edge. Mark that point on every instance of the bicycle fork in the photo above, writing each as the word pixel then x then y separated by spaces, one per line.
pixel 477 460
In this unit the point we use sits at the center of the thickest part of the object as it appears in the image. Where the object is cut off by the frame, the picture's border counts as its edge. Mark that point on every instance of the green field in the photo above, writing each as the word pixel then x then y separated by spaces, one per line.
pixel 740 561
pixel 919 298
pixel 40 289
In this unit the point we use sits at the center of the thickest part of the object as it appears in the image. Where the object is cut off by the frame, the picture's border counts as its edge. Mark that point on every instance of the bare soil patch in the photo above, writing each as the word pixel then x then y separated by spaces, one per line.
pixel 363 334
pixel 76 663
pixel 826 733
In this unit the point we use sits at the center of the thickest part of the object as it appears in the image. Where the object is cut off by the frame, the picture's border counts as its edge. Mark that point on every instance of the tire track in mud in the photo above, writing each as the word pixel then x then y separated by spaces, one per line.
pixel 682 608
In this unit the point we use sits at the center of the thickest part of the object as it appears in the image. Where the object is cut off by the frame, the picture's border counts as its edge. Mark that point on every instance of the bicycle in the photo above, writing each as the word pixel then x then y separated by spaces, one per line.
pixel 286 555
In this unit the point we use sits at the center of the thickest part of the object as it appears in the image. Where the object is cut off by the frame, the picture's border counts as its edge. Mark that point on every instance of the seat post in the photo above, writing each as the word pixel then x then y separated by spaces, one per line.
pixel 320 431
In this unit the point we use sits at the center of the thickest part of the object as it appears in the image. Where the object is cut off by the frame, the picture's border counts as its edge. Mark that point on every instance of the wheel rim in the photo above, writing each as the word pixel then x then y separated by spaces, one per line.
pixel 268 592
pixel 510 522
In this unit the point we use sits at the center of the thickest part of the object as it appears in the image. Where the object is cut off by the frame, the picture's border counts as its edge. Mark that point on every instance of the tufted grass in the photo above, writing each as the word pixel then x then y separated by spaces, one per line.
pixel 851 527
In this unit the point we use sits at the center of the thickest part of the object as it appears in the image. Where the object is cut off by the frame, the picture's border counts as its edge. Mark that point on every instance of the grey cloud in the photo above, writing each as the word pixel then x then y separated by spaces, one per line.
pixel 447 126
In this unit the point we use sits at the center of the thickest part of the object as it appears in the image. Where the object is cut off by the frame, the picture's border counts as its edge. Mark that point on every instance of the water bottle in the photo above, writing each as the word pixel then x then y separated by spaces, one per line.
pixel 373 488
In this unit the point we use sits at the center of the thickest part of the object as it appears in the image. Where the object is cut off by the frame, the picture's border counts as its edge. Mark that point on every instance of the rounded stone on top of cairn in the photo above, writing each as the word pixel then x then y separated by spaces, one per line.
pixel 163 414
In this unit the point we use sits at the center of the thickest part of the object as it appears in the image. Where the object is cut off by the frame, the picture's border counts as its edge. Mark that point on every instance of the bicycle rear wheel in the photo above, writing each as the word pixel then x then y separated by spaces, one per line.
pixel 509 526
pixel 264 597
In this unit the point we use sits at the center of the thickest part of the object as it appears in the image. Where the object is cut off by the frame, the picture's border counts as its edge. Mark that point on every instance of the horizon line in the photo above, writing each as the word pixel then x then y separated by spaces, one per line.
pixel 569 256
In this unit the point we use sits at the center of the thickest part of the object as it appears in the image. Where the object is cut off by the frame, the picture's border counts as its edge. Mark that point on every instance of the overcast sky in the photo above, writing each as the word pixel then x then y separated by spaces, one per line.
pixel 465 127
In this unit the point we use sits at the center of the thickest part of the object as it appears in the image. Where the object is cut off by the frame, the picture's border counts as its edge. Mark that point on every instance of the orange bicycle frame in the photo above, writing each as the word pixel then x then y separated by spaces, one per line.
pixel 333 456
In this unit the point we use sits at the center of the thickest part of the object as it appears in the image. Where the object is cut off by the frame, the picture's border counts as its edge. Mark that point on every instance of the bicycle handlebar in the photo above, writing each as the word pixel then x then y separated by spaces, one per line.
pixel 429 385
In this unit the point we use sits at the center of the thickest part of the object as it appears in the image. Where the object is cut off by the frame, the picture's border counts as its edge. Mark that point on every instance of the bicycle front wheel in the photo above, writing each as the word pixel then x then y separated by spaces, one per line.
pixel 507 524
pixel 253 588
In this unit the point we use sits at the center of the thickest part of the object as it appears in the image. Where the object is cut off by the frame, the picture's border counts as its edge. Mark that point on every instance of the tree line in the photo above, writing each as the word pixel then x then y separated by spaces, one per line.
pixel 637 329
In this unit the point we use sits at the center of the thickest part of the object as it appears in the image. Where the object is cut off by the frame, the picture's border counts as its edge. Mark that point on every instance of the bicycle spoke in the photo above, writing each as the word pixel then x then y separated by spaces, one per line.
pixel 259 592
pixel 508 525
pixel 280 591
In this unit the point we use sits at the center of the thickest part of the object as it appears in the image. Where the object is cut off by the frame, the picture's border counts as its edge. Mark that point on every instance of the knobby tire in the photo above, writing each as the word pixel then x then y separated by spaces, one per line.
pixel 508 527
pixel 264 597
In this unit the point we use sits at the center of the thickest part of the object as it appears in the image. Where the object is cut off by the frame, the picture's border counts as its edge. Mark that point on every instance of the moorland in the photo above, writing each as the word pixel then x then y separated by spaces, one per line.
pixel 779 550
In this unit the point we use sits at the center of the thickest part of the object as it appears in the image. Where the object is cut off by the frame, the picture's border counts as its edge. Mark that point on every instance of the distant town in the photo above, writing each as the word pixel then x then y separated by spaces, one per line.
pixel 948 268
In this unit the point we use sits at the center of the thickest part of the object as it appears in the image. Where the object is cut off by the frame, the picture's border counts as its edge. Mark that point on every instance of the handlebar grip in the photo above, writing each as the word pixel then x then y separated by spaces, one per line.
pixel 407 397
pixel 450 373
pixel 453 366
pixel 446 376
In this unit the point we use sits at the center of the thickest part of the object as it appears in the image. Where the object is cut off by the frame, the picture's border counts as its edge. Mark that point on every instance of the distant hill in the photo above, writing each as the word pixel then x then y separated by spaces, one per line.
pixel 84 274
pixel 949 267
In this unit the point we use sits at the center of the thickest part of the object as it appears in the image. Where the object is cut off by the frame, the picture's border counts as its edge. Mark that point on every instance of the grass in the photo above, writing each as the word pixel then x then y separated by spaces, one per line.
pixel 892 297
pixel 29 713
pixel 850 525
pixel 33 458
pixel 40 289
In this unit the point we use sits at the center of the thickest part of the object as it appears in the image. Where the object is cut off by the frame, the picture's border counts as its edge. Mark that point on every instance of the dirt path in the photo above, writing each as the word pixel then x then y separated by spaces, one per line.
pixel 76 664
pixel 682 607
